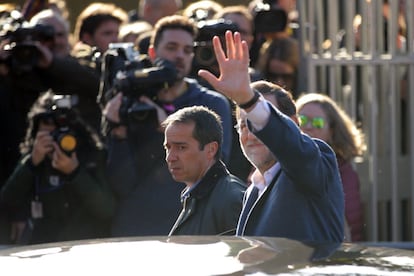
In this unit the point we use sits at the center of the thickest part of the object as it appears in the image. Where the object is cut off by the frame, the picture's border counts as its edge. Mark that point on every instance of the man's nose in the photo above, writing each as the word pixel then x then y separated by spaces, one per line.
pixel 180 53
pixel 170 156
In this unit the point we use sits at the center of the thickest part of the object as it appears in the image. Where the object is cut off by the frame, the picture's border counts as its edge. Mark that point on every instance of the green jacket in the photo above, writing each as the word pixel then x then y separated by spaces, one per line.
pixel 77 206
pixel 213 207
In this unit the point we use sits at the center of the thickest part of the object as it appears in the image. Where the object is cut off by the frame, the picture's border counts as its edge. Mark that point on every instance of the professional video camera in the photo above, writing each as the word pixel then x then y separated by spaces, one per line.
pixel 126 71
pixel 22 36
pixel 204 57
pixel 269 19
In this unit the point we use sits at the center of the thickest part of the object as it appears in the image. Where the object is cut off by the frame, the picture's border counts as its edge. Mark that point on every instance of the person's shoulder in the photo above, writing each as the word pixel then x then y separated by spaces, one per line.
pixel 326 151
pixel 229 190
pixel 323 146
pixel 234 182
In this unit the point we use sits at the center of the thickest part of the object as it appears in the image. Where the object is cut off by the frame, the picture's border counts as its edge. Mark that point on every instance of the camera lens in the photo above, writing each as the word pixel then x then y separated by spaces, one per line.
pixel 67 142
pixel 205 55
pixel 24 57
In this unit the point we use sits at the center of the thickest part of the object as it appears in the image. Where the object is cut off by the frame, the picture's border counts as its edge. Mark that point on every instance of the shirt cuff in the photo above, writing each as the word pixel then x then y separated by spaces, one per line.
pixel 259 115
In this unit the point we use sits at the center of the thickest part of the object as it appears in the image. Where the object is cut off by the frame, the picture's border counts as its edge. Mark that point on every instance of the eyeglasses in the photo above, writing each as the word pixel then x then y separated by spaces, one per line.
pixel 316 122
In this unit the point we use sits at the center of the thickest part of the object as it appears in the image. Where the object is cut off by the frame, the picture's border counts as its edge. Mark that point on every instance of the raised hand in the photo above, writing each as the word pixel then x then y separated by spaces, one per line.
pixel 234 79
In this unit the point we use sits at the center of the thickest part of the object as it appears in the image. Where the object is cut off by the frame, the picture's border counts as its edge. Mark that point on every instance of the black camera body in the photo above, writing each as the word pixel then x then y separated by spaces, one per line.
pixel 269 19
pixel 63 116
pixel 126 71
pixel 66 139
pixel 204 57
pixel 22 36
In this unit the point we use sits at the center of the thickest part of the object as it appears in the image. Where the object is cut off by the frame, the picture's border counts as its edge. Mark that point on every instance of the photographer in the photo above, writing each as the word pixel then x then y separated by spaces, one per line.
pixel 137 170
pixel 31 61
pixel 270 22
pixel 35 57
pixel 60 176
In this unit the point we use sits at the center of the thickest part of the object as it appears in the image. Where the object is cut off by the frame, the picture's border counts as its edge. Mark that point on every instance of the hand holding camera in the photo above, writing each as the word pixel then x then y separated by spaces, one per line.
pixel 62 162
pixel 111 110
pixel 43 145
pixel 111 113
pixel 56 136
pixel 161 114
pixel 46 144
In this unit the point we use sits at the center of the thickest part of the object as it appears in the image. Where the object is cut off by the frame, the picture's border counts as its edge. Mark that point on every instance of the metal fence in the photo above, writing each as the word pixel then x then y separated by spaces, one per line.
pixel 371 74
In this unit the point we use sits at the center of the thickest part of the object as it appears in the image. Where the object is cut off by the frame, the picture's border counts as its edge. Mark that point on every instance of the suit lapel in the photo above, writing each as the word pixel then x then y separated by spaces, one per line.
pixel 263 198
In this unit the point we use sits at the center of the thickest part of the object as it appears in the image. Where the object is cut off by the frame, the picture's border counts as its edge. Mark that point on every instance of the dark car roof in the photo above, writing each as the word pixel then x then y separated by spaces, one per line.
pixel 204 255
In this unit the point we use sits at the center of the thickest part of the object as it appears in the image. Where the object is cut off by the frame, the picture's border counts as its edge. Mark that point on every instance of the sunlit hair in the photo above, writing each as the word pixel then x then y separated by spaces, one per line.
pixel 207 125
pixel 283 98
pixel 202 10
pixel 42 17
pixel 284 49
pixel 94 15
pixel 60 7
pixel 239 10
pixel 173 22
pixel 155 5
pixel 6 9
pixel 347 140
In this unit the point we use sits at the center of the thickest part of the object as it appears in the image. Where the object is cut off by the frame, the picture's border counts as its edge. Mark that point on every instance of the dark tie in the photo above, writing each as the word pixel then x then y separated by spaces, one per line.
pixel 249 204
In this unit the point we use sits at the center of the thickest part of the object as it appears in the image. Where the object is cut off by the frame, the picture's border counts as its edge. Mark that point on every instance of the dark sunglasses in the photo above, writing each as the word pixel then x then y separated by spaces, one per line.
pixel 316 122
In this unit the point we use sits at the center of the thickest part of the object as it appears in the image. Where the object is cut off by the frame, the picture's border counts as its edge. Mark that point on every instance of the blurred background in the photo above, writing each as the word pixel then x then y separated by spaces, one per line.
pixel 76 6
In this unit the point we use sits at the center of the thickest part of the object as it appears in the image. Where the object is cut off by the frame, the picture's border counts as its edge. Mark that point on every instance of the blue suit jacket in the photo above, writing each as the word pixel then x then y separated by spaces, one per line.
pixel 306 201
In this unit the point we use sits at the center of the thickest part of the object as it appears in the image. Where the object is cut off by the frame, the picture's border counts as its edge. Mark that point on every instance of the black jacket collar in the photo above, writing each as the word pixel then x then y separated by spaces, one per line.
pixel 209 181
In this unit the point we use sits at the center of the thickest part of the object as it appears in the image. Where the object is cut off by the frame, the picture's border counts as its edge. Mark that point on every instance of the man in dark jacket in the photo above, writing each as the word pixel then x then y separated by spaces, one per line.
pixel 213 197
pixel 147 194
pixel 299 193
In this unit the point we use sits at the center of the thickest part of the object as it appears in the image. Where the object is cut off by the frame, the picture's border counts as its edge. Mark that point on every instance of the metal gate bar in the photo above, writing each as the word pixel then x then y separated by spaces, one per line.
pixel 369 92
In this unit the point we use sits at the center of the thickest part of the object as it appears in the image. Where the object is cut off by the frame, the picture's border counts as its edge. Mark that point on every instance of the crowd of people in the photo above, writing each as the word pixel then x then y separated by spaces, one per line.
pixel 168 120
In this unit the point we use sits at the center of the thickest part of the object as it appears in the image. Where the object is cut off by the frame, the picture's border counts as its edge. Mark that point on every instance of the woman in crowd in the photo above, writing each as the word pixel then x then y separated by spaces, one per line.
pixel 320 117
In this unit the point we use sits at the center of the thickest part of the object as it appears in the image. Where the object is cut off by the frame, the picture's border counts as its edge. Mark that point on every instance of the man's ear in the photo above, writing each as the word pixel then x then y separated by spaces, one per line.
pixel 151 53
pixel 212 149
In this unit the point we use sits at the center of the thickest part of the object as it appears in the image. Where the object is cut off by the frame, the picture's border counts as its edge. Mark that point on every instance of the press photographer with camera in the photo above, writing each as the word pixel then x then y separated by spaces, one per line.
pixel 60 177
pixel 147 194
pixel 34 57
pixel 271 21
